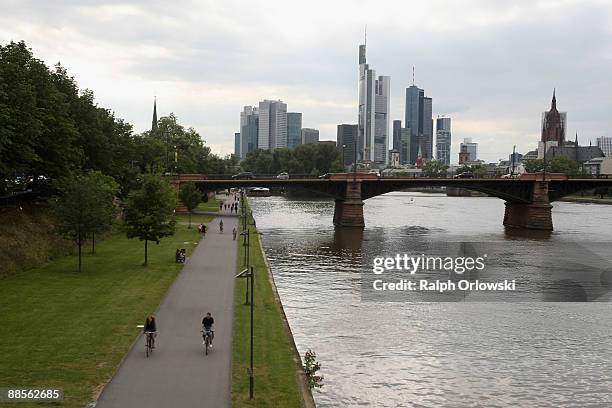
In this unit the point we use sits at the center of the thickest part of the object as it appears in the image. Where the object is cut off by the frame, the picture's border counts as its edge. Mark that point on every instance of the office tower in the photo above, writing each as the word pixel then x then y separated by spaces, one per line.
pixel 443 140
pixel 346 139
pixel 397 134
pixel 294 129
pixel 373 118
pixel 237 145
pixel 471 148
pixel 418 118
pixel 249 130
pixel 405 145
pixel 310 135
pixel 464 155
pixel 605 144
pixel 272 125
pixel 554 124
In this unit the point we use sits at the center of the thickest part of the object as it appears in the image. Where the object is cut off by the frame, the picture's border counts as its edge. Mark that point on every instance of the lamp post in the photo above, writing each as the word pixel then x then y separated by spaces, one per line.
pixel 343 164
pixel 249 275
pixel 513 159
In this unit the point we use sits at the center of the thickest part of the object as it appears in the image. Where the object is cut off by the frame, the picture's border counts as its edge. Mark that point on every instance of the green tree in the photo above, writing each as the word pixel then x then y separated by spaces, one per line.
pixel 435 169
pixel 478 170
pixel 149 211
pixel 85 205
pixel 190 197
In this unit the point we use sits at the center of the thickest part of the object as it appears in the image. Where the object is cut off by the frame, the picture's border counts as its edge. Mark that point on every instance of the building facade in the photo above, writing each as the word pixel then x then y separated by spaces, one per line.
pixel 405 146
pixel 272 125
pixel 471 148
pixel 397 134
pixel 443 140
pixel 294 129
pixel 310 135
pixel 249 130
pixel 418 117
pixel 605 144
pixel 236 144
pixel 373 117
pixel 346 139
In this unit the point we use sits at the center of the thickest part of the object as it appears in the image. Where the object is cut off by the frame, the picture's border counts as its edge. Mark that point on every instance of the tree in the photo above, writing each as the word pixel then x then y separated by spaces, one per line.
pixel 190 197
pixel 435 169
pixel 149 211
pixel 84 206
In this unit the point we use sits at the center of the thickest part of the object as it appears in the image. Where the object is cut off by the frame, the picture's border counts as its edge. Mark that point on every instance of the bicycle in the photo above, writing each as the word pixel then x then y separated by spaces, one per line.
pixel 149 341
pixel 207 342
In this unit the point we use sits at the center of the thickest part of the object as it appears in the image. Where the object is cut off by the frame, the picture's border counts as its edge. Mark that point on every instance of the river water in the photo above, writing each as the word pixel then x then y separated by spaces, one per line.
pixel 439 354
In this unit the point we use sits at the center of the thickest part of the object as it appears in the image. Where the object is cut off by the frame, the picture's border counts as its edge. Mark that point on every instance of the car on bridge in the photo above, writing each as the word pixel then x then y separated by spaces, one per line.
pixel 245 175
pixel 283 176
pixel 465 174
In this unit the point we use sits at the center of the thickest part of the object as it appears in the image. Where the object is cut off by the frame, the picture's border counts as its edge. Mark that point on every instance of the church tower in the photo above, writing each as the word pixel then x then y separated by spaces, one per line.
pixel 154 121
pixel 553 124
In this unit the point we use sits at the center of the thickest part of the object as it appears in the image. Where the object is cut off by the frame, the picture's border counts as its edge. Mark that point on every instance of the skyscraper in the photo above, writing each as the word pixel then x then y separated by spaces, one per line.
pixel 294 129
pixel 418 118
pixel 249 130
pixel 310 135
pixel 237 145
pixel 272 125
pixel 443 140
pixel 405 145
pixel 605 144
pixel 397 134
pixel 373 118
pixel 345 140
pixel 470 147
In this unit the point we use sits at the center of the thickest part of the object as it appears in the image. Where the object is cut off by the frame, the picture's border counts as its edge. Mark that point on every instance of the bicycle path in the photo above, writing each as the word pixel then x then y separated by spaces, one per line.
pixel 178 374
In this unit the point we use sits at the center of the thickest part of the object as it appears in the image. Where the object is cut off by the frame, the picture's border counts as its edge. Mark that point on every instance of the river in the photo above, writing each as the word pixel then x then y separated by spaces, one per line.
pixel 439 354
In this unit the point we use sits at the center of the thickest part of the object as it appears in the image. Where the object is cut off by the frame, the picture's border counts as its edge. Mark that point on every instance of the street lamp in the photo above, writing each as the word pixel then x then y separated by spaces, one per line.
pixel 343 164
pixel 249 274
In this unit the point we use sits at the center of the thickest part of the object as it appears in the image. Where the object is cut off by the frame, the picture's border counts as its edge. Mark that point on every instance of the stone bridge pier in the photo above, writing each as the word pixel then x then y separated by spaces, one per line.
pixel 348 212
pixel 535 215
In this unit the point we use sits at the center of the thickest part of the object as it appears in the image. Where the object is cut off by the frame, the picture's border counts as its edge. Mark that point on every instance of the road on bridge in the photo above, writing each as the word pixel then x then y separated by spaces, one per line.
pixel 178 374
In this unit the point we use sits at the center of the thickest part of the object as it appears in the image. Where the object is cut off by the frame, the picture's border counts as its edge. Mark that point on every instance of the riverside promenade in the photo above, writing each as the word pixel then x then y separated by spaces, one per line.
pixel 177 374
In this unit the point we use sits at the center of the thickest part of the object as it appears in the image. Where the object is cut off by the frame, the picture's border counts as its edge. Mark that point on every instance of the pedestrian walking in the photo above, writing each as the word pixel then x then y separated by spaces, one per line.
pixel 234 233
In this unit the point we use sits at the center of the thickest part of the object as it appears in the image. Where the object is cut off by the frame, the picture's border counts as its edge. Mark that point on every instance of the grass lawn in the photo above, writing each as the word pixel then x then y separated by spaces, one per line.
pixel 211 205
pixel 275 370
pixel 61 328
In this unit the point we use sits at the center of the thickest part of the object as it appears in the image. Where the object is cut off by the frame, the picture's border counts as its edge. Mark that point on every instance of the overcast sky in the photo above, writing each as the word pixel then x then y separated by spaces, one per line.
pixel 490 65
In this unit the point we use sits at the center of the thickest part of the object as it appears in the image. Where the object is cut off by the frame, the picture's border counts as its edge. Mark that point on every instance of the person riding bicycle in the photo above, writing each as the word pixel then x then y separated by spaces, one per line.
pixel 207 326
pixel 151 326
pixel 221 225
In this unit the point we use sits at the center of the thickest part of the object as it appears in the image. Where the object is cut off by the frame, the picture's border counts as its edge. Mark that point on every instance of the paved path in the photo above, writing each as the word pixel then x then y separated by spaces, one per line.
pixel 178 374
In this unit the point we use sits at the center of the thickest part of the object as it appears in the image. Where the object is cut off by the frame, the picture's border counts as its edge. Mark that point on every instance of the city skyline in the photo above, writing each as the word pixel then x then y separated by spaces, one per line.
pixel 492 81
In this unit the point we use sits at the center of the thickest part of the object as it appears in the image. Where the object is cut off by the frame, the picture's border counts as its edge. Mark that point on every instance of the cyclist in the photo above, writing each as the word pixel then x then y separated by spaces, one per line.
pixel 207 326
pixel 151 326
pixel 221 226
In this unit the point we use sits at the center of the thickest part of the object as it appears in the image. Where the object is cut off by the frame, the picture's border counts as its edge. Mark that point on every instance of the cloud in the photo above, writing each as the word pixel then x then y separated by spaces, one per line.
pixel 490 65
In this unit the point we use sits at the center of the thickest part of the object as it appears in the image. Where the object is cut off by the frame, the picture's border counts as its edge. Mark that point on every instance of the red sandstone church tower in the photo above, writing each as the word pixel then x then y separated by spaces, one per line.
pixel 553 124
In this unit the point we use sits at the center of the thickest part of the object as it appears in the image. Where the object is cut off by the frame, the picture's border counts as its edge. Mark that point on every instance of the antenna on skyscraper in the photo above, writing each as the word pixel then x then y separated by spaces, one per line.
pixel 365 35
pixel 413 75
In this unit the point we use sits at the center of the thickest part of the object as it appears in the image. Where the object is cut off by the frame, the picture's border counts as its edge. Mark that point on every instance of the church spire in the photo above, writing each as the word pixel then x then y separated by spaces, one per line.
pixel 553 105
pixel 154 121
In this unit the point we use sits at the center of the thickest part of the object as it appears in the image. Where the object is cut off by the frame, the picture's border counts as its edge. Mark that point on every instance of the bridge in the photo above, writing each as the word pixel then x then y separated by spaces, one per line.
pixel 528 199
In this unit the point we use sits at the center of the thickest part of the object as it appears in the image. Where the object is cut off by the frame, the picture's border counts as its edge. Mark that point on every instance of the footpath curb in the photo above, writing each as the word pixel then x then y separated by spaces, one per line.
pixel 305 391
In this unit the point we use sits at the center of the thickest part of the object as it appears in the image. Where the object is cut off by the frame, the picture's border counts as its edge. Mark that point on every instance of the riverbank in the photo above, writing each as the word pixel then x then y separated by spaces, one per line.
pixel 62 328
pixel 277 365
pixel 591 200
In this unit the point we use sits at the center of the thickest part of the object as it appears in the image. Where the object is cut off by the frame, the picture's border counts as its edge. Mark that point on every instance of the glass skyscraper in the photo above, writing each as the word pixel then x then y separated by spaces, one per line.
pixel 443 140
pixel 294 129
pixel 373 120
pixel 418 117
